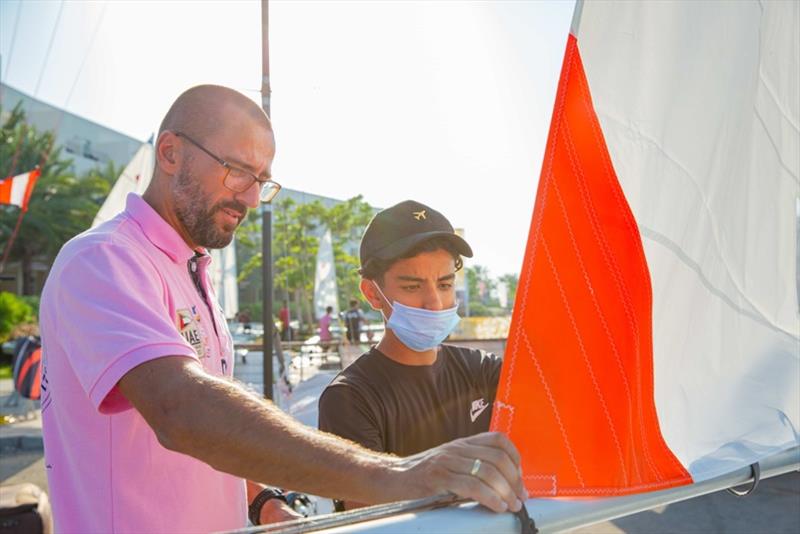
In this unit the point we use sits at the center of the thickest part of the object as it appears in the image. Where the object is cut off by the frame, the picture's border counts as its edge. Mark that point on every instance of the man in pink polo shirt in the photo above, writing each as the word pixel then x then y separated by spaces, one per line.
pixel 144 429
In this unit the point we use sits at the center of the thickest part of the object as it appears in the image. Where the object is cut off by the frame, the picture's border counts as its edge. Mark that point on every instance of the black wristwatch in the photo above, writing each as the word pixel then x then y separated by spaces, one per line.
pixel 254 510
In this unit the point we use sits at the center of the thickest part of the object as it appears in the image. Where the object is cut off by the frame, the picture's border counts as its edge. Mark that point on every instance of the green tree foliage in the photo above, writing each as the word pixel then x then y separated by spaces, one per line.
pixel 295 252
pixel 62 205
pixel 483 299
pixel 13 311
pixel 480 283
pixel 248 261
pixel 295 242
pixel 511 281
pixel 346 222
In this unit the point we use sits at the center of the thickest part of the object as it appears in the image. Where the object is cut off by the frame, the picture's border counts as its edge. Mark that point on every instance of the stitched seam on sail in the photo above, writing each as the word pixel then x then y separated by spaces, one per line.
pixel 597 390
pixel 539 214
pixel 624 208
pixel 552 478
pixel 603 321
pixel 555 408
pixel 622 289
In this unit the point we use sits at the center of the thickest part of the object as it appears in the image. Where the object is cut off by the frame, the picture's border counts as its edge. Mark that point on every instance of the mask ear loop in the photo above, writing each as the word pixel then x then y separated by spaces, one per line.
pixel 384 298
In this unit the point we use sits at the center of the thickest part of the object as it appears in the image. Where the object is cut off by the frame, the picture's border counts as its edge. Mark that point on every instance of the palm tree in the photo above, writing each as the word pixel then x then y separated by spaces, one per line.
pixel 62 205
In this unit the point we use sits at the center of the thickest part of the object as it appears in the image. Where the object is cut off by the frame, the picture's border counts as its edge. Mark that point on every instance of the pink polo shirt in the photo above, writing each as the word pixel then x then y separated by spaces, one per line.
pixel 117 296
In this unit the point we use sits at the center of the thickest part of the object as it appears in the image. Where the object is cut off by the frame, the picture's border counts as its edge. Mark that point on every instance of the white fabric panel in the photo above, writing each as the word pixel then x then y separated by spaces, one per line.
pixel 325 289
pixel 698 102
pixel 223 277
pixel 134 179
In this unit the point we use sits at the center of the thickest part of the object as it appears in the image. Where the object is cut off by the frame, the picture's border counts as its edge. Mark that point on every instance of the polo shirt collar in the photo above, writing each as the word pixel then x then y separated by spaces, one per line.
pixel 158 231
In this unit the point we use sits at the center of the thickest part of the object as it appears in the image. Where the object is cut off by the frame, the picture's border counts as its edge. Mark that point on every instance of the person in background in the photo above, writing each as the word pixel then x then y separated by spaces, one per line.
pixel 244 319
pixel 411 391
pixel 144 429
pixel 353 320
pixel 325 336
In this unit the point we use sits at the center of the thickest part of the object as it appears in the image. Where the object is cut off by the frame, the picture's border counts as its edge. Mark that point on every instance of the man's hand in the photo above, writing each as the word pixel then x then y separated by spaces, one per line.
pixel 496 483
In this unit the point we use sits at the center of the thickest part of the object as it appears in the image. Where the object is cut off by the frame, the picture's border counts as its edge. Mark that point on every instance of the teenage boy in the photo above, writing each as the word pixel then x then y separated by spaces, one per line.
pixel 411 392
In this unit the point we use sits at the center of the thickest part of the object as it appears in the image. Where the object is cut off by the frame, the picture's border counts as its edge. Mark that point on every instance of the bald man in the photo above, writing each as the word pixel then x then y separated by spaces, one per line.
pixel 144 429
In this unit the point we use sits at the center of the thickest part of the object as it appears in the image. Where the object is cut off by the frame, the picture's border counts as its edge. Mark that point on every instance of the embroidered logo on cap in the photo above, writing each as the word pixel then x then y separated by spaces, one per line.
pixel 420 215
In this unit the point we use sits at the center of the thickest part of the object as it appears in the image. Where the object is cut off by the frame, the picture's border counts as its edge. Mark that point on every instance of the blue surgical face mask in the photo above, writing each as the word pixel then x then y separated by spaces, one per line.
pixel 418 329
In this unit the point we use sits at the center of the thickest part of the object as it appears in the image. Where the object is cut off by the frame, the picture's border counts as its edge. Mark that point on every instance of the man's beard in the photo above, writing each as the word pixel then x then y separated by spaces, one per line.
pixel 195 212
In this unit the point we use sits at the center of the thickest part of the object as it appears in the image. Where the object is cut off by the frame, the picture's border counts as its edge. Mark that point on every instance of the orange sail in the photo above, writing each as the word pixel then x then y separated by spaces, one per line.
pixel 576 391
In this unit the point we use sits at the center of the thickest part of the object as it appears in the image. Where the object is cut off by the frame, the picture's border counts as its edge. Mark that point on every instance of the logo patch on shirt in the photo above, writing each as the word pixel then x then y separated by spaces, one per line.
pixel 478 406
pixel 189 327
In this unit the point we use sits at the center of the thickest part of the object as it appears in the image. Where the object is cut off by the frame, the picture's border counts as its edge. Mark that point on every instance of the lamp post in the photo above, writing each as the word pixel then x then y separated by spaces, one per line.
pixel 266 286
pixel 266 217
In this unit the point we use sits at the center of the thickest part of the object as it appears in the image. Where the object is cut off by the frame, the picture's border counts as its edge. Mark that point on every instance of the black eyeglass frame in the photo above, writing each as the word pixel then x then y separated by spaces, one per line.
pixel 275 187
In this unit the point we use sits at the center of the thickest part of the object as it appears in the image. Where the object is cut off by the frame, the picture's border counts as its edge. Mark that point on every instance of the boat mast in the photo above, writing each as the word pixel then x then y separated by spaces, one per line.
pixel 576 18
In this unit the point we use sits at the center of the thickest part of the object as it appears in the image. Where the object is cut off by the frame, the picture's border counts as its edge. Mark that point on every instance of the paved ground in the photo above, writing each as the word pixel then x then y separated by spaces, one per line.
pixel 773 509
pixel 23 466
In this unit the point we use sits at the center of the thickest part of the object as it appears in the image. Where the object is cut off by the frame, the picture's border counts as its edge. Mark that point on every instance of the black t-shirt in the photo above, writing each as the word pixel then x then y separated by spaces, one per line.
pixel 403 409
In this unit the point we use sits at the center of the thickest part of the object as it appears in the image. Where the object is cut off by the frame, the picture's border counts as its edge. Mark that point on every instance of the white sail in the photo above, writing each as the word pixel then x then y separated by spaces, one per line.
pixel 325 290
pixel 134 179
pixel 698 103
pixel 223 277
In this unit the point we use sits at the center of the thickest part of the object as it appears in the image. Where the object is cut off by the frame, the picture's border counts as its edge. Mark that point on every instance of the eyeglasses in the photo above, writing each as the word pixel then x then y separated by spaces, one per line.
pixel 237 179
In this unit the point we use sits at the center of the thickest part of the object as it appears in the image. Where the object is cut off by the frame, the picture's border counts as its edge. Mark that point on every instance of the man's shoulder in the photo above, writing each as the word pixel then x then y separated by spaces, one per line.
pixel 99 253
pixel 116 236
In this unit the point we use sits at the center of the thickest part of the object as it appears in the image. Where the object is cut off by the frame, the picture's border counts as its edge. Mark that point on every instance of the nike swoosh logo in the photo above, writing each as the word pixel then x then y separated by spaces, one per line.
pixel 473 414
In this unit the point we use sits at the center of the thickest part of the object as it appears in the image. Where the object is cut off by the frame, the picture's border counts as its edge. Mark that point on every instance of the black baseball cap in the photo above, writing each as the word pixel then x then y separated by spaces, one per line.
pixel 396 230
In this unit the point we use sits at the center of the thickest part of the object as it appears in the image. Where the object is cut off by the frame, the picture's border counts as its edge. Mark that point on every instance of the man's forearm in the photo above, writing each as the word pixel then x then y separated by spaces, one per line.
pixel 219 423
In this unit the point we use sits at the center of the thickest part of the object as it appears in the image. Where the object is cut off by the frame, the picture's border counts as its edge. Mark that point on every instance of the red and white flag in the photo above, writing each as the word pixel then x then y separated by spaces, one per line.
pixel 655 339
pixel 17 189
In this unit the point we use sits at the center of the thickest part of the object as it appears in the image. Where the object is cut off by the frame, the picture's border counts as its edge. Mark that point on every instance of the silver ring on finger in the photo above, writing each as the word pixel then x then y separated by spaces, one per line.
pixel 476 466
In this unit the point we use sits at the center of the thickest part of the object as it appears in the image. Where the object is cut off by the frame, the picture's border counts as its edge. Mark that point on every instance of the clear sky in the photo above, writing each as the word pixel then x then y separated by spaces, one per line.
pixel 444 102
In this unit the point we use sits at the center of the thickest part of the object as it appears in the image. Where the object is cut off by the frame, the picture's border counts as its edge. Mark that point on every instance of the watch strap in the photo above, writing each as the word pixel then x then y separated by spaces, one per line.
pixel 254 510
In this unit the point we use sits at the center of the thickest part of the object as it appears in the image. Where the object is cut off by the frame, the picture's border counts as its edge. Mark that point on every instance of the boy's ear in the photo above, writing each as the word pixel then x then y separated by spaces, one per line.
pixel 371 294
